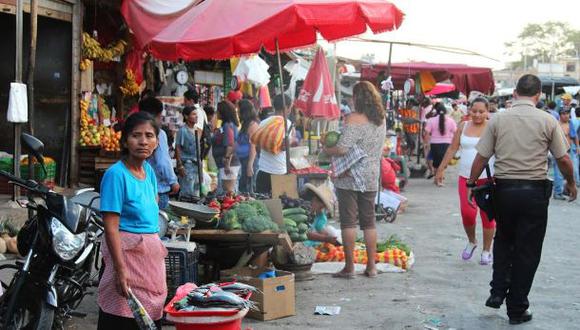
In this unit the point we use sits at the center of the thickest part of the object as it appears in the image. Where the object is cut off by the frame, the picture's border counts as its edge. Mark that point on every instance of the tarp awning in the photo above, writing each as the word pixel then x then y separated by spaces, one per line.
pixel 465 78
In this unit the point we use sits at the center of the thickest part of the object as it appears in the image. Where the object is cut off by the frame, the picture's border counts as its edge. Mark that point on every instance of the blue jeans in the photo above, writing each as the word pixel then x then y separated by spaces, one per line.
pixel 163 200
pixel 559 178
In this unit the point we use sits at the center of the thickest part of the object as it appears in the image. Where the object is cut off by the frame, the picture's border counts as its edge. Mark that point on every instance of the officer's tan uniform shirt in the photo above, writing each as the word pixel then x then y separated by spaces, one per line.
pixel 520 139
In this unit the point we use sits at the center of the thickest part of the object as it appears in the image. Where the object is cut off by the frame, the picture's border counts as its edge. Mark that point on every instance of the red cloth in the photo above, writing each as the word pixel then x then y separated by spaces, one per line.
pixel 294 23
pixel 465 78
pixel 389 174
pixel 134 61
pixel 317 98
pixel 234 96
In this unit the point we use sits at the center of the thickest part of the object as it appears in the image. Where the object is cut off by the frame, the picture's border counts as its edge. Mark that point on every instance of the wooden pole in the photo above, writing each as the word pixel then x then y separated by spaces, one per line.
pixel 73 168
pixel 286 143
pixel 18 78
pixel 30 79
pixel 32 63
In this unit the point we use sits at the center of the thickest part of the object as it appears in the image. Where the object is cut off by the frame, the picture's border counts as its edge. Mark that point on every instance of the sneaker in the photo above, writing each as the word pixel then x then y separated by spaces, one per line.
pixel 486 258
pixel 559 197
pixel 468 251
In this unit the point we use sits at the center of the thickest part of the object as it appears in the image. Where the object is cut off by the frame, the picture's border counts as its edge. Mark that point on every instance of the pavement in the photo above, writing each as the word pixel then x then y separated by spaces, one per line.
pixel 441 291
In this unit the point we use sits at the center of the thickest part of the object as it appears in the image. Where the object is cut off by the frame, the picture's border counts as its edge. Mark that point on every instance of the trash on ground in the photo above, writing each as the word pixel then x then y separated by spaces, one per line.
pixel 327 310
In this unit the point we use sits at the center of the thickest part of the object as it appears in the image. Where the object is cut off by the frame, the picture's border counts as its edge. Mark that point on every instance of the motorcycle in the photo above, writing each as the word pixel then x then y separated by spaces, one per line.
pixel 60 244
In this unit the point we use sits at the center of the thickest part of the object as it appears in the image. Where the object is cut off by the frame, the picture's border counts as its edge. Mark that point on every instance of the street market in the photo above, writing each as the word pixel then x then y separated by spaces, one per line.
pixel 234 177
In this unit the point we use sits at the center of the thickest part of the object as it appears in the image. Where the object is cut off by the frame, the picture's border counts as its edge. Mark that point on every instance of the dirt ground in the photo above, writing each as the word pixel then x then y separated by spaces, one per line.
pixel 441 291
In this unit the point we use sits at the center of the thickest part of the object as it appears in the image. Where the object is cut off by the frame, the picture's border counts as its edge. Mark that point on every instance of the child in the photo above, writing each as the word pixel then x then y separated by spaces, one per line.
pixel 320 231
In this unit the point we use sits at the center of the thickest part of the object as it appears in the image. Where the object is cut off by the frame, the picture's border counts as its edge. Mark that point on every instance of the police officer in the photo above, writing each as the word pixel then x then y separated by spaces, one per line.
pixel 520 139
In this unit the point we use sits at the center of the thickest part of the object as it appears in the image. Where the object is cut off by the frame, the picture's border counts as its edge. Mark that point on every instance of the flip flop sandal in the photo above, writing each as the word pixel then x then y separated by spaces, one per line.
pixel 369 274
pixel 345 275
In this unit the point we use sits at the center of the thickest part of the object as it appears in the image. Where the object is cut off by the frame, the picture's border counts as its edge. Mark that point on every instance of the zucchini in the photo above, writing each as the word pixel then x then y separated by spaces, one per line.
pixel 289 222
pixel 294 210
pixel 298 218
pixel 302 228
pixel 294 237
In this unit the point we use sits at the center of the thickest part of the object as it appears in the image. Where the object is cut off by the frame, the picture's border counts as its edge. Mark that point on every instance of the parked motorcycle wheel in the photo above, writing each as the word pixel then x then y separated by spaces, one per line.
pixel 17 314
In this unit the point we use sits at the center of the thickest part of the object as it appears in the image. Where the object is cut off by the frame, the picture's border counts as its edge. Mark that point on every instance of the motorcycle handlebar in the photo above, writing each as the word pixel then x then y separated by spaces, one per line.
pixel 27 184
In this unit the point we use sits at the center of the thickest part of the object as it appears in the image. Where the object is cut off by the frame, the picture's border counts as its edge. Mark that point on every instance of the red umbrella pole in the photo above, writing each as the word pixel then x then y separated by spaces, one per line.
pixel 286 144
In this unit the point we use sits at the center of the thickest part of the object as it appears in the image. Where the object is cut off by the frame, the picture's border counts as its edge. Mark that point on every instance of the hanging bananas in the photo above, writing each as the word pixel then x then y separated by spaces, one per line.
pixel 129 86
pixel 93 50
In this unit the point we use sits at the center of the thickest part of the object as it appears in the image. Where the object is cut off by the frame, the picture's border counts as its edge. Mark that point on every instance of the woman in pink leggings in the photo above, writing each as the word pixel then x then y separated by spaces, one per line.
pixel 466 137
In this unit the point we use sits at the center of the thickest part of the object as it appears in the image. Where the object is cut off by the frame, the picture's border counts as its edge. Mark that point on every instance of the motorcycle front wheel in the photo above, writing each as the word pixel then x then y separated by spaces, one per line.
pixel 18 310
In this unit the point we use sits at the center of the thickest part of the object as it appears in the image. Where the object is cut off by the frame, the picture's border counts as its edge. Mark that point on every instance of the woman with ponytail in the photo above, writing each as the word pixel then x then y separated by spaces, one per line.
pixel 439 131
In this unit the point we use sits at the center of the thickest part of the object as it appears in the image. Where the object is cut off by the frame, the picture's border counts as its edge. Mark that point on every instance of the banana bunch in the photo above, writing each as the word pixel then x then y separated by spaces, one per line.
pixel 84 113
pixel 85 64
pixel 129 86
pixel 93 50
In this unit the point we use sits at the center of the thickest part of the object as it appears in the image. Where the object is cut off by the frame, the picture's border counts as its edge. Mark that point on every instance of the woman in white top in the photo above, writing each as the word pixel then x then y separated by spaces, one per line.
pixel 466 137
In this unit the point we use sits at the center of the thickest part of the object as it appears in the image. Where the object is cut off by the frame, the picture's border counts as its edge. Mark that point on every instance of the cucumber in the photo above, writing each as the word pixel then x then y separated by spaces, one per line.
pixel 302 228
pixel 294 210
pixel 294 237
pixel 298 218
pixel 290 222
pixel 303 237
pixel 291 229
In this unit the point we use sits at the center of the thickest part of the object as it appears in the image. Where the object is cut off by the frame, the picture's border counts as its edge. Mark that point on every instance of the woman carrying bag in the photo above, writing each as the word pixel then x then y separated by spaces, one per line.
pixel 466 138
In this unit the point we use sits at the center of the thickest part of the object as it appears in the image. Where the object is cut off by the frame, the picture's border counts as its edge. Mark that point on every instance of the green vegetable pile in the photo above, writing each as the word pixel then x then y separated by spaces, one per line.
pixel 295 223
pixel 393 242
pixel 259 224
pixel 250 216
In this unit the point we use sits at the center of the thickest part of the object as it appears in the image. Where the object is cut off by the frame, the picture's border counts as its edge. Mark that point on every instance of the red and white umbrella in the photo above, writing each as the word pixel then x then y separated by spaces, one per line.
pixel 221 29
pixel 317 98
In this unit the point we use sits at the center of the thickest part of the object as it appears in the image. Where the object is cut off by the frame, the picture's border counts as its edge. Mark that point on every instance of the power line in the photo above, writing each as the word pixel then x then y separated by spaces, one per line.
pixel 447 49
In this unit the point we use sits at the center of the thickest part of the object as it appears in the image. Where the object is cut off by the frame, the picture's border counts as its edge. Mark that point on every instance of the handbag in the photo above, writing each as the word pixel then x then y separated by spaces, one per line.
pixel 485 195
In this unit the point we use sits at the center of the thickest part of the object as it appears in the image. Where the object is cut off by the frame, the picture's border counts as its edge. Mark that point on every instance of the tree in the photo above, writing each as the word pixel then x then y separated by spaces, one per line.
pixel 544 41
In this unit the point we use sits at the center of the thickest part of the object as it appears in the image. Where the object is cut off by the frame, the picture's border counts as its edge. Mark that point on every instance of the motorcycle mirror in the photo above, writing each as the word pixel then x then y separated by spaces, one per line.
pixel 35 146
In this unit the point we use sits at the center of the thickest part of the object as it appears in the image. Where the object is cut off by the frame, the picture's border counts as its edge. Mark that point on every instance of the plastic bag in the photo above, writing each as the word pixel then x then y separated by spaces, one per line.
pixel 142 318
pixel 270 136
pixel 17 104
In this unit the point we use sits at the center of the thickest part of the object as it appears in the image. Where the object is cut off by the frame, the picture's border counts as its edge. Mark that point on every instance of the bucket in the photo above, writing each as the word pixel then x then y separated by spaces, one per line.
pixel 215 319
pixel 233 322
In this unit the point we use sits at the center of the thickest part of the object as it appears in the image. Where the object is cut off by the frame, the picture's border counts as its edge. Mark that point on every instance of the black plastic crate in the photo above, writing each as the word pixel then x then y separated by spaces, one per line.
pixel 180 268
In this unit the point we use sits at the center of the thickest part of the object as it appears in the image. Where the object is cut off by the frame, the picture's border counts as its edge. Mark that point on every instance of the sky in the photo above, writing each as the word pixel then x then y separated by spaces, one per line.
pixel 480 26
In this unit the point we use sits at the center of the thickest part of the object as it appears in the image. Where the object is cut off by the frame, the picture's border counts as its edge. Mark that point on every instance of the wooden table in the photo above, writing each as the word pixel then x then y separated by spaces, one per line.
pixel 216 240
pixel 206 236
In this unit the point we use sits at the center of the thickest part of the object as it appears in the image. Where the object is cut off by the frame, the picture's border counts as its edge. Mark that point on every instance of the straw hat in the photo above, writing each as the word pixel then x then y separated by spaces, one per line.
pixel 566 96
pixel 322 192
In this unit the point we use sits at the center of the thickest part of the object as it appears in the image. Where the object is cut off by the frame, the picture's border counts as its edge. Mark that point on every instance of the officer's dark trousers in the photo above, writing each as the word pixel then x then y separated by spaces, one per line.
pixel 521 219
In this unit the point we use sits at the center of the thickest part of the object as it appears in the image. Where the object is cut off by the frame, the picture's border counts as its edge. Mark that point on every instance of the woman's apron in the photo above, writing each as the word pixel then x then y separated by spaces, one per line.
pixel 144 256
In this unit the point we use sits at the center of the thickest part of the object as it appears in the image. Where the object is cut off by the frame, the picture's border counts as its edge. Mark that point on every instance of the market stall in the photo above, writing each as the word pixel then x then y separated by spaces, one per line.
pixel 177 36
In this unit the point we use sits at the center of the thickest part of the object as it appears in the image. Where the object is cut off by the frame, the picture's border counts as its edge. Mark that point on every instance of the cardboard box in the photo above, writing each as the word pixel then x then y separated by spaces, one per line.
pixel 284 184
pixel 276 298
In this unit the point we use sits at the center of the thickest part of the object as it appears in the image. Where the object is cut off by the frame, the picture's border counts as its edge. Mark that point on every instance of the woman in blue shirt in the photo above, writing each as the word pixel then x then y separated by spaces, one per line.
pixel 133 253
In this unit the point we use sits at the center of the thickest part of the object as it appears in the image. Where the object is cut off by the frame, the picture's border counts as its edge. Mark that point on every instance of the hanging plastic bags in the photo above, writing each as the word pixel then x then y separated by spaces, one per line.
pixel 17 103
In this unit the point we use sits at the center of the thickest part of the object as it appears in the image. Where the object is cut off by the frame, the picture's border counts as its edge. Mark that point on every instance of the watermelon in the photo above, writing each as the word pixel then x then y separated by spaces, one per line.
pixel 331 139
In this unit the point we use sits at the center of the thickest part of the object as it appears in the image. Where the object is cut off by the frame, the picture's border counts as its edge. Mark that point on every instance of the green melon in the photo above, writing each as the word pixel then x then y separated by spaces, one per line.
pixel 331 139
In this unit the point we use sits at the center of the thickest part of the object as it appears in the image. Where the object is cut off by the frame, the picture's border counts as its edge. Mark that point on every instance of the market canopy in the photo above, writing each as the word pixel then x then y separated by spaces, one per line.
pixel 465 78
pixel 220 29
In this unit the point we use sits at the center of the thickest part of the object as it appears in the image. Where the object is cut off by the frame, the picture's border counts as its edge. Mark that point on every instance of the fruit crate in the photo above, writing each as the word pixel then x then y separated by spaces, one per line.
pixel 49 165
pixel 180 265
pixel 87 164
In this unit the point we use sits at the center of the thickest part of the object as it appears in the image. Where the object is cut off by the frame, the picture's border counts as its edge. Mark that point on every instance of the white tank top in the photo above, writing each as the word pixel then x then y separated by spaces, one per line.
pixel 468 153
